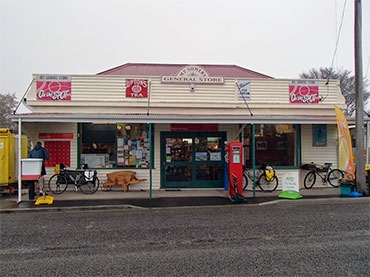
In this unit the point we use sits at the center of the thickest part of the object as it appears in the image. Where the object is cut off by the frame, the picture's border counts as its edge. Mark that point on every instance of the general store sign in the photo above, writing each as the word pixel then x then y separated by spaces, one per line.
pixel 303 92
pixel 136 88
pixel 192 74
pixel 53 87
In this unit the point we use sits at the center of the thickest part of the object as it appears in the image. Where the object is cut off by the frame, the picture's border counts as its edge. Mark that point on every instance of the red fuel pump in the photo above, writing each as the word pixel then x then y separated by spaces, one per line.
pixel 235 171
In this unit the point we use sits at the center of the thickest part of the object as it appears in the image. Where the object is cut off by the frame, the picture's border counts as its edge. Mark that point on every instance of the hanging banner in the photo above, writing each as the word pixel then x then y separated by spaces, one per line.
pixel 53 87
pixel 345 143
pixel 136 88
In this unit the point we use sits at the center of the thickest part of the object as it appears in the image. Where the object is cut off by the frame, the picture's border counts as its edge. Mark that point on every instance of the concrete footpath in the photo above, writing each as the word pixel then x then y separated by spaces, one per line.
pixel 116 198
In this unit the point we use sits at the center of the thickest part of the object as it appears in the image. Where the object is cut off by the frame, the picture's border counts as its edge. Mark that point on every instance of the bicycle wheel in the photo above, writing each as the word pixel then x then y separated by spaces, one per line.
pixel 88 186
pixel 245 181
pixel 309 180
pixel 57 184
pixel 267 186
pixel 334 177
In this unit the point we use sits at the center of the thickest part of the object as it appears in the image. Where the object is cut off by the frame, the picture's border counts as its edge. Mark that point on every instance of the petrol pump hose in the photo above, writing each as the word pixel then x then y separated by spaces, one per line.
pixel 237 197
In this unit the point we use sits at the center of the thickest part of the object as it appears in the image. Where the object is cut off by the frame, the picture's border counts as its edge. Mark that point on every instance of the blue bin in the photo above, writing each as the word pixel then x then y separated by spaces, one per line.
pixel 345 190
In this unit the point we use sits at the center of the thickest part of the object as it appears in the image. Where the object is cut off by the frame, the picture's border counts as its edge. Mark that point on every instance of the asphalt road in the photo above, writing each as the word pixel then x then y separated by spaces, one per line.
pixel 288 238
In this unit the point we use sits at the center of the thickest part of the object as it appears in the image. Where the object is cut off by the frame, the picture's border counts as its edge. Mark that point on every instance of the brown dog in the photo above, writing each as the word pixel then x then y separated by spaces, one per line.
pixel 122 178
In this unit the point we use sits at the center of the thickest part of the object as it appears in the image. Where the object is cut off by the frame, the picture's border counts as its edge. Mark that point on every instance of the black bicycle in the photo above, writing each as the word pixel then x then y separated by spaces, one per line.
pixel 265 178
pixel 325 172
pixel 84 180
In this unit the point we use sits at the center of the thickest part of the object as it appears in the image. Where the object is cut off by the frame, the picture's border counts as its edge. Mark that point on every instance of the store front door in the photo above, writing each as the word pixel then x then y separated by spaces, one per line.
pixel 192 159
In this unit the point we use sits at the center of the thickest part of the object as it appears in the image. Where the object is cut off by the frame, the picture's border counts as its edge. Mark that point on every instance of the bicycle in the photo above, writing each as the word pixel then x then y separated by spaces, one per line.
pixel 84 180
pixel 266 178
pixel 325 172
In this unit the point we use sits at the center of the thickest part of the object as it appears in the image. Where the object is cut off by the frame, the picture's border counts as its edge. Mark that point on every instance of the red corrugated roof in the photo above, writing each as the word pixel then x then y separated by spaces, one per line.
pixel 148 69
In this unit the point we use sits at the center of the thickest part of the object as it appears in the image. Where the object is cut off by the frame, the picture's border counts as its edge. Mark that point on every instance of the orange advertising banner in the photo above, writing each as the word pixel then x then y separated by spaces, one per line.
pixel 344 143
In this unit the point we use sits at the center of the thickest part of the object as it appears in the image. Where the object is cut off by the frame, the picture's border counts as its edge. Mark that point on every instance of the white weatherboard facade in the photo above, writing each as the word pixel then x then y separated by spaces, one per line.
pixel 269 97
pixel 101 99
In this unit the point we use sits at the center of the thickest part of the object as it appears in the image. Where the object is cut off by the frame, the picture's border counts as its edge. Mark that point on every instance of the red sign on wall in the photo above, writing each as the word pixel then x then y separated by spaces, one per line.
pixel 303 92
pixel 60 152
pixel 53 87
pixel 55 135
pixel 194 127
pixel 136 88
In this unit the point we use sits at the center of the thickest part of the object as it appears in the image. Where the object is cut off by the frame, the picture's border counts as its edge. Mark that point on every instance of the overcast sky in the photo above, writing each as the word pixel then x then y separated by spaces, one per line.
pixel 280 38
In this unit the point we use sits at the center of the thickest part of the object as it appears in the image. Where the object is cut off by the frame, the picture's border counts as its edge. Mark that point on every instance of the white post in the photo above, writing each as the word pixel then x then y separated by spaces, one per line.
pixel 19 160
pixel 367 142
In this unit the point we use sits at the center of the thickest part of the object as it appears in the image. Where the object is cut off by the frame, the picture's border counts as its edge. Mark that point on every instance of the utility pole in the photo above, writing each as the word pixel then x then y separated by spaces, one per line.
pixel 360 128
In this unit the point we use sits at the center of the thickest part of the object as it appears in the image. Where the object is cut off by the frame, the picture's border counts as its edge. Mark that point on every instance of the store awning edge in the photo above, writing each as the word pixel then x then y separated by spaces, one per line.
pixel 166 119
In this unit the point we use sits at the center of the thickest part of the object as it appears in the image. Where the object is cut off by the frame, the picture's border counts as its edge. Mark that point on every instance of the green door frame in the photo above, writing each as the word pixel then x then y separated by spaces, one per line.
pixel 194 183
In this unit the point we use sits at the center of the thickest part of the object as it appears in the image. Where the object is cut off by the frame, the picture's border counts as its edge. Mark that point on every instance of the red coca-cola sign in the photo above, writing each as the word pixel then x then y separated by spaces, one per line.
pixel 303 92
pixel 136 88
pixel 53 87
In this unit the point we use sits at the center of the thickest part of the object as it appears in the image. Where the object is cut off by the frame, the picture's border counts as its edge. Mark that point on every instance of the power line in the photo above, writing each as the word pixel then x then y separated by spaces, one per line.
pixel 336 44
pixel 338 34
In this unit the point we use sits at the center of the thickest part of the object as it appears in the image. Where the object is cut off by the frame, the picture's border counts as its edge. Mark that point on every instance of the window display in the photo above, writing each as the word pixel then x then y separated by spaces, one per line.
pixel 132 145
pixel 275 144
pixel 115 145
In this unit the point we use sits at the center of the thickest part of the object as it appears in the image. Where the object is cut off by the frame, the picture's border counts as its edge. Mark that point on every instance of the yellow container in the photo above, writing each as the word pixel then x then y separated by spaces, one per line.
pixel 9 156
pixel 57 168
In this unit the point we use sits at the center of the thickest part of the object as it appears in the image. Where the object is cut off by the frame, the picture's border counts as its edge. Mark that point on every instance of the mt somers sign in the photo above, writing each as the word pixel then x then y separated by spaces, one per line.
pixel 192 74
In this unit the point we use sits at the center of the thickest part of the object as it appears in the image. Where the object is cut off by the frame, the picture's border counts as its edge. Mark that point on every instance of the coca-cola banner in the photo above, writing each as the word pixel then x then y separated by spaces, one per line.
pixel 136 88
pixel 303 92
pixel 53 87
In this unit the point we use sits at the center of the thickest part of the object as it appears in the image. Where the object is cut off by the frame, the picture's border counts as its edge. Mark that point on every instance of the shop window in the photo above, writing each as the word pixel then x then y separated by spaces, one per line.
pixel 115 145
pixel 207 149
pixel 192 157
pixel 275 144
pixel 179 149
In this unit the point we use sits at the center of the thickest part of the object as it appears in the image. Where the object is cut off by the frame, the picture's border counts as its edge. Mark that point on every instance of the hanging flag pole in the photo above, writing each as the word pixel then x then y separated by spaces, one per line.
pixel 245 101
pixel 253 139
pixel 149 95
pixel 151 160
pixel 151 146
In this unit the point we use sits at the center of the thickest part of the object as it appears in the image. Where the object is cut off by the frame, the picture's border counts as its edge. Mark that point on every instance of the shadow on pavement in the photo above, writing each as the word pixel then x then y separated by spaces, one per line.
pixel 155 202
pixel 164 199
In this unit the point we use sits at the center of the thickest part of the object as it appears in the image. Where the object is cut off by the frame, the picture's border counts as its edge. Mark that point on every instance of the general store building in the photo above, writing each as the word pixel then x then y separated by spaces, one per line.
pixel 170 122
